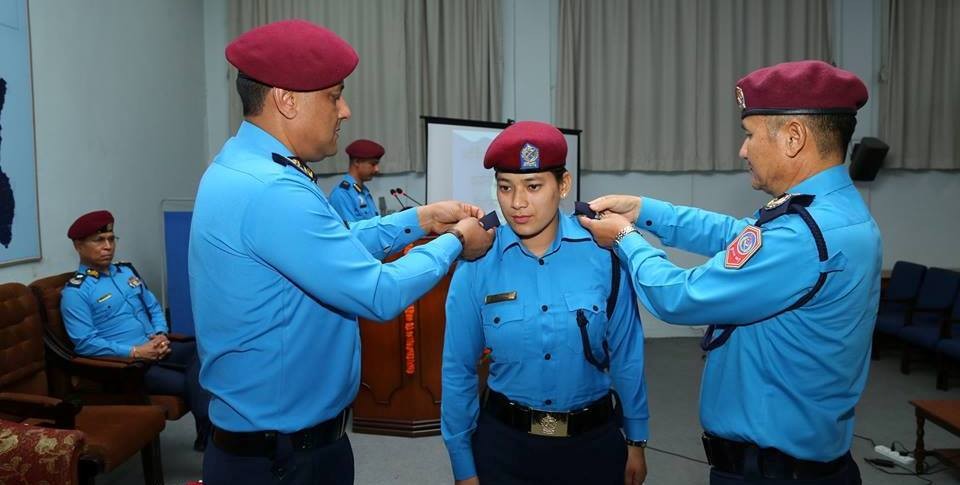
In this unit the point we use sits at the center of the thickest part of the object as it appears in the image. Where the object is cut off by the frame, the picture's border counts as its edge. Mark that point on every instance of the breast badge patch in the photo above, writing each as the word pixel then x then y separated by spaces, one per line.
pixel 133 282
pixel 743 248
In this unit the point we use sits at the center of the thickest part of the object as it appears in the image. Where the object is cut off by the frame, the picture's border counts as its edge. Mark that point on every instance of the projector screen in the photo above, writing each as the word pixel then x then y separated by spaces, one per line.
pixel 455 170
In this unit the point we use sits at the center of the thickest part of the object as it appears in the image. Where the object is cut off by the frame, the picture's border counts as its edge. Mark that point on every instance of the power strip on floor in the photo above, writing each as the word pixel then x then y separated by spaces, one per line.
pixel 902 460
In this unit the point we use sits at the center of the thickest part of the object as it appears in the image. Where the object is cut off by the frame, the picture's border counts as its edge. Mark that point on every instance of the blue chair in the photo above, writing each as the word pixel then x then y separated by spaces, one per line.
pixel 898 298
pixel 948 349
pixel 896 304
pixel 929 320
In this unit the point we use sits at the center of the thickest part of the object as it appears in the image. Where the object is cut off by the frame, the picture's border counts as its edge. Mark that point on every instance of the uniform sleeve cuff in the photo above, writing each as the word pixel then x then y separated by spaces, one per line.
pixel 461 458
pixel 654 215
pixel 636 429
pixel 630 244
pixel 409 220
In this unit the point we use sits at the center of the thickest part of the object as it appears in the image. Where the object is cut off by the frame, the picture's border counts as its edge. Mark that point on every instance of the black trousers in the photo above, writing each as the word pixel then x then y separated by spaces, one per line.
pixel 327 465
pixel 848 475
pixel 179 374
pixel 507 456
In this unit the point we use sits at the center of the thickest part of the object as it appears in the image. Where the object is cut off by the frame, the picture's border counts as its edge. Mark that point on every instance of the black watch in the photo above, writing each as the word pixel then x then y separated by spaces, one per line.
pixel 638 444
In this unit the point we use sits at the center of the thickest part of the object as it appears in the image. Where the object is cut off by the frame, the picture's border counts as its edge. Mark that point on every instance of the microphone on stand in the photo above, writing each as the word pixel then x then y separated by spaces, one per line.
pixel 401 192
pixel 393 192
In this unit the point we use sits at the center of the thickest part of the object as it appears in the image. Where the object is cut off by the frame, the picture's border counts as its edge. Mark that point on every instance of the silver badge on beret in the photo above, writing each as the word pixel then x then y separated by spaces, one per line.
pixel 741 101
pixel 529 157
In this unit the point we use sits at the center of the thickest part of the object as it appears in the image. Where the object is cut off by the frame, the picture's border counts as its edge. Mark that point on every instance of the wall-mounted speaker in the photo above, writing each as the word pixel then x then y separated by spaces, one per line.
pixel 867 157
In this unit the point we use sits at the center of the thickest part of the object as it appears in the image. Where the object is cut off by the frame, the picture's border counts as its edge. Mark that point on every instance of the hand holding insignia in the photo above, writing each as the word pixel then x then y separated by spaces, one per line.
pixel 627 206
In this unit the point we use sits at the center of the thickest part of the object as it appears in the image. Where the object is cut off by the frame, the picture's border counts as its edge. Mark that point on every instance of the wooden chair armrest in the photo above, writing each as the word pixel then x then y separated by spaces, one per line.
pixel 179 337
pixel 61 412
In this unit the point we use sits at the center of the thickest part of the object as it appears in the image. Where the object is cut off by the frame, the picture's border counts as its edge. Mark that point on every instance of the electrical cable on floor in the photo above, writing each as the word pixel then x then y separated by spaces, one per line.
pixel 678 455
pixel 930 471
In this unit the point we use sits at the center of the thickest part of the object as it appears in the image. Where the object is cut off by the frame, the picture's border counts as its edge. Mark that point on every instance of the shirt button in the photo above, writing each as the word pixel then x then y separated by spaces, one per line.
pixel 407 230
pixel 544 307
pixel 649 223
pixel 548 402
pixel 540 261
pixel 546 357
pixel 496 320
pixel 595 308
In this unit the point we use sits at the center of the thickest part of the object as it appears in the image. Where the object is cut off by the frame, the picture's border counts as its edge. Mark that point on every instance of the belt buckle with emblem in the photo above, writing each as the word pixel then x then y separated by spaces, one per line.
pixel 545 423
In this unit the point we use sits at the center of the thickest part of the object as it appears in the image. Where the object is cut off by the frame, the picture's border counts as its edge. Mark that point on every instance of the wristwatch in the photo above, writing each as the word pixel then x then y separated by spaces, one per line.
pixel 639 443
pixel 623 233
pixel 456 232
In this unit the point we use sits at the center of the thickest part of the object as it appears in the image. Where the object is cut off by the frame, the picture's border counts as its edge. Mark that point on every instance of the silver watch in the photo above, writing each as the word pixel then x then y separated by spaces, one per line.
pixel 623 233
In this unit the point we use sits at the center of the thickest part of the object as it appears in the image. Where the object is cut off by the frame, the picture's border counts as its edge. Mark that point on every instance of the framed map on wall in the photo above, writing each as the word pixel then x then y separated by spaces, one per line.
pixel 19 215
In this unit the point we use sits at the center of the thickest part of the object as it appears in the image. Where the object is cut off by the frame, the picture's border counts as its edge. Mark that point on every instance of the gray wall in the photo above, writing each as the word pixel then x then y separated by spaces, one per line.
pixel 120 121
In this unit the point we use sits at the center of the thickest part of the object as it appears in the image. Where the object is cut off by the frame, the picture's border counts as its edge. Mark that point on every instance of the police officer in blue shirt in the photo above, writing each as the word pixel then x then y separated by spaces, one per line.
pixel 545 306
pixel 277 280
pixel 351 198
pixel 108 311
pixel 791 293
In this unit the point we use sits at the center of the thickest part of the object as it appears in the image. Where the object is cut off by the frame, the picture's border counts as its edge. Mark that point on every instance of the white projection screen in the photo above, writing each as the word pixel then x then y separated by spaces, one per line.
pixel 455 170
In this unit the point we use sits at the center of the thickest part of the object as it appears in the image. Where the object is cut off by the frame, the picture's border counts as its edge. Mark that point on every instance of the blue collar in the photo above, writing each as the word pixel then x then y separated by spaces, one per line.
pixel 255 137
pixel 84 269
pixel 352 181
pixel 569 229
pixel 825 182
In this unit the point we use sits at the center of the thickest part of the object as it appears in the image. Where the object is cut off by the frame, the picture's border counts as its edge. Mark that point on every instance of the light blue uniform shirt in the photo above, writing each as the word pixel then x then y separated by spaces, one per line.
pixel 791 381
pixel 103 312
pixel 574 274
pixel 350 203
pixel 277 282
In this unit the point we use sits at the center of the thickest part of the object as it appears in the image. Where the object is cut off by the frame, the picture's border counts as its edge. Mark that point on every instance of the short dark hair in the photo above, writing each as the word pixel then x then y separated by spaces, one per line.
pixel 832 131
pixel 252 93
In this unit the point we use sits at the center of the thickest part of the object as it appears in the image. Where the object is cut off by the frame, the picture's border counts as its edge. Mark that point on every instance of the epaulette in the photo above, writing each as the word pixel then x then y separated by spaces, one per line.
pixel 128 264
pixel 296 164
pixel 344 184
pixel 77 280
pixel 782 205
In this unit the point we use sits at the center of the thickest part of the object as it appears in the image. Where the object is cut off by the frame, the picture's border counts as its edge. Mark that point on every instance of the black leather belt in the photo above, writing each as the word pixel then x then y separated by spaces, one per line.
pixel 264 443
pixel 549 423
pixel 731 457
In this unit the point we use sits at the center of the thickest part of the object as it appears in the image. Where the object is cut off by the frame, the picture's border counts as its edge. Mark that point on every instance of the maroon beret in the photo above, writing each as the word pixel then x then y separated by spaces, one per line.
pixel 801 88
pixel 365 149
pixel 527 146
pixel 90 224
pixel 293 54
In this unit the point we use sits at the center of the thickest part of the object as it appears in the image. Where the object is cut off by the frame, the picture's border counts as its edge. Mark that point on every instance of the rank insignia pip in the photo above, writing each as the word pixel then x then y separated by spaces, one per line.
pixel 529 157
pixel 743 248
pixel 777 202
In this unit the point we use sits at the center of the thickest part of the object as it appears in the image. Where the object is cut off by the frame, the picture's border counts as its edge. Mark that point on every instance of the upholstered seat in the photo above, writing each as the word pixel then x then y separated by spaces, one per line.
pixel 33 454
pixel 113 433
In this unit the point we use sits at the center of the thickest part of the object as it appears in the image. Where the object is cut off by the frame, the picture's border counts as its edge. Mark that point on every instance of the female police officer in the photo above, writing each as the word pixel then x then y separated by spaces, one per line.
pixel 546 308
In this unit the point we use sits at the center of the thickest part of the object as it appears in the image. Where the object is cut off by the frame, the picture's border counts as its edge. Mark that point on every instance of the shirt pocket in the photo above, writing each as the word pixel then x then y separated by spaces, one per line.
pixel 593 306
pixel 504 330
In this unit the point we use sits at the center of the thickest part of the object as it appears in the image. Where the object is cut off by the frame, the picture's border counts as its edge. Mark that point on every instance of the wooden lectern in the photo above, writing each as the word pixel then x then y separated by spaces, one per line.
pixel 400 368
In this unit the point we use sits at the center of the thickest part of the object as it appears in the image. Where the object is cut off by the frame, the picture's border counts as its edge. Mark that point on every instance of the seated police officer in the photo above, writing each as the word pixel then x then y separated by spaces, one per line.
pixel 108 311
pixel 546 308
pixel 351 198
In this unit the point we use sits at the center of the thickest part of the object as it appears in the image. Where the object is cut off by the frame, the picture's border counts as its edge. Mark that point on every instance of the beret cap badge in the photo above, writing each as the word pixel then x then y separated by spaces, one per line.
pixel 530 157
